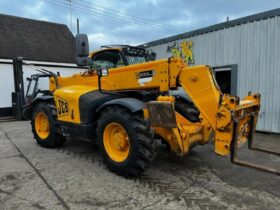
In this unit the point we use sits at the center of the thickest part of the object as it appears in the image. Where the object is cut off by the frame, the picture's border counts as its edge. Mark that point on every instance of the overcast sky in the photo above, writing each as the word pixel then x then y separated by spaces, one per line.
pixel 135 21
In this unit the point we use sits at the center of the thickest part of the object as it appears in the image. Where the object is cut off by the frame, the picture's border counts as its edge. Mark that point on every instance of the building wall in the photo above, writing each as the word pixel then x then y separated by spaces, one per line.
pixel 255 48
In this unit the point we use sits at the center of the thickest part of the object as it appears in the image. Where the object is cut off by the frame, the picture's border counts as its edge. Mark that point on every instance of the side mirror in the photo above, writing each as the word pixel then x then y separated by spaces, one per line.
pixel 28 79
pixel 152 56
pixel 82 50
pixel 82 47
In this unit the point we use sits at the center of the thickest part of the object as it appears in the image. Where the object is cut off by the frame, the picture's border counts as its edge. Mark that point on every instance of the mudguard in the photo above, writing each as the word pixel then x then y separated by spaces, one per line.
pixel 132 104
pixel 27 109
pixel 93 102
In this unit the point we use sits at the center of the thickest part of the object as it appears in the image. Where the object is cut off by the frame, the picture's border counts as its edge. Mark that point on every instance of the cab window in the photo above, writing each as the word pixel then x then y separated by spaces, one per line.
pixel 108 59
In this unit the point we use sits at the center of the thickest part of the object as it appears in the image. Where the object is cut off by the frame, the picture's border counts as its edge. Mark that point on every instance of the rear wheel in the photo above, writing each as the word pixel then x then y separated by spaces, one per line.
pixel 44 126
pixel 125 141
pixel 187 110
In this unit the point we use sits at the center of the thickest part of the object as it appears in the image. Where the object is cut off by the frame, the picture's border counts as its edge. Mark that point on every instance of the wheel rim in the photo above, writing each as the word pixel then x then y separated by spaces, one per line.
pixel 116 142
pixel 42 125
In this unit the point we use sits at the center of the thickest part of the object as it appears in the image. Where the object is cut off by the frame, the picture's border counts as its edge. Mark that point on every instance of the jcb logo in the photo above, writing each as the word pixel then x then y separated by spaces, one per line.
pixel 63 108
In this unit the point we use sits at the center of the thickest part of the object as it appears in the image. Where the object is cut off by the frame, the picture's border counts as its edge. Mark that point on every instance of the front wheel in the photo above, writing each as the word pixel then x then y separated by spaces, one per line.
pixel 44 126
pixel 125 141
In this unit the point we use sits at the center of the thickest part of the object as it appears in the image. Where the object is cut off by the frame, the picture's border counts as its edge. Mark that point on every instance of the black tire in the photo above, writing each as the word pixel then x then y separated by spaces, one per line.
pixel 142 149
pixel 187 110
pixel 54 139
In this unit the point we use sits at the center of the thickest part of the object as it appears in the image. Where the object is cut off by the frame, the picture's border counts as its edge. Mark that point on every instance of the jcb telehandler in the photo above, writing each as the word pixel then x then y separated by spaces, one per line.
pixel 123 101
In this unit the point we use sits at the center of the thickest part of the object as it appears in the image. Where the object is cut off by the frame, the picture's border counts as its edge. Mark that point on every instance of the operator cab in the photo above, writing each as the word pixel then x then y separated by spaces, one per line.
pixel 110 58
pixel 114 56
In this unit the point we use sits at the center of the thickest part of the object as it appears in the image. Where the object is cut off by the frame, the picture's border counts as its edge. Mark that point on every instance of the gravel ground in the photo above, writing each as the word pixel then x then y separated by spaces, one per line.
pixel 74 177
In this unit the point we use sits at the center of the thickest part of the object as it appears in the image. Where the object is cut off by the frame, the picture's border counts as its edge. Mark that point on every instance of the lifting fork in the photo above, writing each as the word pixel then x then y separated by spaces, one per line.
pixel 233 154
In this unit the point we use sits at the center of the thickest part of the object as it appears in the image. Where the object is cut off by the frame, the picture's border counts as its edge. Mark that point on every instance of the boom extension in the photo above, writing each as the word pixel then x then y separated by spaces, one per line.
pixel 217 111
pixel 232 121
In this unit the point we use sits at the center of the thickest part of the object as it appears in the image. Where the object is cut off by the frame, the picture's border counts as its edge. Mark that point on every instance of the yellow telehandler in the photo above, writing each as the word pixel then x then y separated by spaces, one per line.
pixel 124 100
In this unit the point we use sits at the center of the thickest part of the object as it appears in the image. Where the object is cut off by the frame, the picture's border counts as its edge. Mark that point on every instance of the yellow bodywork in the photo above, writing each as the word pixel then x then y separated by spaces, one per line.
pixel 217 111
pixel 67 98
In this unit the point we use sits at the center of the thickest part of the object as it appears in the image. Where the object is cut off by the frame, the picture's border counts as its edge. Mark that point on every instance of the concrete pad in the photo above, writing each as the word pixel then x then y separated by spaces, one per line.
pixel 76 174
pixel 21 187
pixel 6 147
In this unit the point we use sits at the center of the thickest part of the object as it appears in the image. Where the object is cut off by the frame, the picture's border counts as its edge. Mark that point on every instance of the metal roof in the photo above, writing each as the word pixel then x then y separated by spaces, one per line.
pixel 219 26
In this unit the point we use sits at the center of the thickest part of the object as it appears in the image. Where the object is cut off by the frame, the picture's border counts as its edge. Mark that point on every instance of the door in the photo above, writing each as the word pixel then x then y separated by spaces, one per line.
pixel 6 88
pixel 226 77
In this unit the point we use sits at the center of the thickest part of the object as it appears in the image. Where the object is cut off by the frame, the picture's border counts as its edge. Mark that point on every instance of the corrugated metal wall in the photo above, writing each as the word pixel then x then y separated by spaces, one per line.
pixel 255 48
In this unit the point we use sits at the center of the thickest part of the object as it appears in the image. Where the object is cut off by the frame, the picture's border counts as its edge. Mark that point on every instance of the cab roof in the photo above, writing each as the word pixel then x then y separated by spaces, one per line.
pixel 113 47
pixel 101 50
